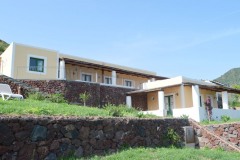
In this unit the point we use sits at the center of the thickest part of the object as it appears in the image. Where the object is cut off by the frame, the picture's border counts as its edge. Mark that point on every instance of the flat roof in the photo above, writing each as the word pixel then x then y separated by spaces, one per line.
pixel 109 66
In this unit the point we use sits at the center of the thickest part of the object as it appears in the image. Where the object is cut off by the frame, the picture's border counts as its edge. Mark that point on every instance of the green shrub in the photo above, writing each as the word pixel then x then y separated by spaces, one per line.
pixel 56 98
pixel 225 118
pixel 84 97
pixel 116 112
pixel 184 116
pixel 174 138
pixel 37 96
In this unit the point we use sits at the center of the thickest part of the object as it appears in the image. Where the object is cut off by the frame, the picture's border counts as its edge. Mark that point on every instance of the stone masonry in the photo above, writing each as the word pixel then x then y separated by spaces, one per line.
pixel 225 136
pixel 25 137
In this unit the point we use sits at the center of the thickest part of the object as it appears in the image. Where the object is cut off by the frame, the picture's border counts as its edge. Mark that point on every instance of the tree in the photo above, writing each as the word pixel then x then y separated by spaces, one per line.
pixel 84 97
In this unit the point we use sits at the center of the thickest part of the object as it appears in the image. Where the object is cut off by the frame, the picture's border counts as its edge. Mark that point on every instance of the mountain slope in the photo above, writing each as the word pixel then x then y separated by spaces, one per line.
pixel 3 46
pixel 231 77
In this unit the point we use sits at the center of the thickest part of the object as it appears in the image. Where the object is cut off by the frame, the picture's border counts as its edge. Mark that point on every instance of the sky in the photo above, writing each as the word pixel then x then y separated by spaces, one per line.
pixel 194 38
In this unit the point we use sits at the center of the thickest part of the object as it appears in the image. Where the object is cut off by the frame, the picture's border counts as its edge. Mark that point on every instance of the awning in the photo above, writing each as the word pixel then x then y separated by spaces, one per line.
pixel 109 68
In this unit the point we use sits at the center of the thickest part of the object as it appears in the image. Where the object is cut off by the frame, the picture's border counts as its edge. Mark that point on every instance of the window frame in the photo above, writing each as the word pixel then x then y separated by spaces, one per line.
pixel 107 77
pixel 87 74
pixel 128 80
pixel 44 59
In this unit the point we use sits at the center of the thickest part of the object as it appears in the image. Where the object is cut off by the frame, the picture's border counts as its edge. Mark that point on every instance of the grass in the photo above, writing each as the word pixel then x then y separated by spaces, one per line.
pixel 206 122
pixel 168 154
pixel 36 107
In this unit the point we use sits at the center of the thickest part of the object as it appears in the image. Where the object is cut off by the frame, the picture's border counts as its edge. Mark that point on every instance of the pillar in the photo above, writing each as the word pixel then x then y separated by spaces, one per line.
pixel 195 96
pixel 129 101
pixel 225 100
pixel 96 77
pixel 182 96
pixel 161 104
pixel 114 78
pixel 62 70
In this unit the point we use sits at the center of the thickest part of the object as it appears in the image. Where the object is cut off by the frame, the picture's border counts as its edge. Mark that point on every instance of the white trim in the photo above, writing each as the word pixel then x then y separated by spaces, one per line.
pixel 13 58
pixel 90 74
pixel 30 46
pixel 40 57
pixel 133 83
pixel 58 67
pixel 108 77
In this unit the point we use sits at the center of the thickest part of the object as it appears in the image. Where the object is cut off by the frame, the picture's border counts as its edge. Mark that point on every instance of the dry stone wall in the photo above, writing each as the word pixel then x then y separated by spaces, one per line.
pixel 100 94
pixel 225 136
pixel 52 137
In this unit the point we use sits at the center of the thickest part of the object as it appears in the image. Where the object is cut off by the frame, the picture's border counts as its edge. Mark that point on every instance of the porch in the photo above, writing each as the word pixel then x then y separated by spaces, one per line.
pixel 186 98
pixel 107 74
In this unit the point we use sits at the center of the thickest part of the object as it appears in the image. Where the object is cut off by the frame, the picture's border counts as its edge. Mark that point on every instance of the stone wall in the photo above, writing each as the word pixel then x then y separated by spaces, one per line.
pixel 225 136
pixel 52 137
pixel 100 94
pixel 139 101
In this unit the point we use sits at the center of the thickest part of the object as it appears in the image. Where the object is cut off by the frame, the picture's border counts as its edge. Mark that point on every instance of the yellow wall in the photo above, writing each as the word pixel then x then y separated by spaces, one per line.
pixel 73 72
pixel 188 96
pixel 152 100
pixel 175 91
pixel 137 81
pixel 21 63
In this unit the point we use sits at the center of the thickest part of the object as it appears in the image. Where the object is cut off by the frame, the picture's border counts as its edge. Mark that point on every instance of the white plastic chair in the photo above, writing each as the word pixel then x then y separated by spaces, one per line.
pixel 6 92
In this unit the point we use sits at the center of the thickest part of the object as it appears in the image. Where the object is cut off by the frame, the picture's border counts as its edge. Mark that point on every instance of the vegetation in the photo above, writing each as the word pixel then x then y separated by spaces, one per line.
pixel 55 98
pixel 168 154
pixel 3 46
pixel 231 77
pixel 47 107
pixel 84 97
pixel 223 120
pixel 123 110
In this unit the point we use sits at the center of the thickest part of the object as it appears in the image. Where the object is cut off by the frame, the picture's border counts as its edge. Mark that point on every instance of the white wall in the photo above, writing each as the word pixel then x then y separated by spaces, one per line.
pixel 155 112
pixel 217 113
pixel 7 58
pixel 195 113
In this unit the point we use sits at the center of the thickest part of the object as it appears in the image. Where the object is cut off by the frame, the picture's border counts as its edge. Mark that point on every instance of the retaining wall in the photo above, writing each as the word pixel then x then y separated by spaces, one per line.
pixel 225 136
pixel 51 137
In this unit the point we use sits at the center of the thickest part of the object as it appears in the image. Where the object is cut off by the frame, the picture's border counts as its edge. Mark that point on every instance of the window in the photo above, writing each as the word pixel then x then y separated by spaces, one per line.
pixel 108 80
pixel 36 64
pixel 87 77
pixel 128 83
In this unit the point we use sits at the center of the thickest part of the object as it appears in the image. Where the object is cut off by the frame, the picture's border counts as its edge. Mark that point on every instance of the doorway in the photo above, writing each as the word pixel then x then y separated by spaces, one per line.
pixel 168 100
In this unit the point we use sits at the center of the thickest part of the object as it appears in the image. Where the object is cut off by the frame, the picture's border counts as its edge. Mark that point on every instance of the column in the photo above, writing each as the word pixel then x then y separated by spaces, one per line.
pixel 114 78
pixel 161 104
pixel 195 96
pixel 182 96
pixel 225 100
pixel 62 69
pixel 129 101
pixel 96 77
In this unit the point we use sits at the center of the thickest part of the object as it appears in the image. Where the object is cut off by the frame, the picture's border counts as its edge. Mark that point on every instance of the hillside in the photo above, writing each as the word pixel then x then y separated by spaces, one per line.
pixel 3 46
pixel 231 77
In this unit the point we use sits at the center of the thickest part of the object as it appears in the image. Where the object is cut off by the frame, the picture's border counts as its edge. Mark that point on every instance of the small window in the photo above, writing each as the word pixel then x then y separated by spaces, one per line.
pixel 87 77
pixel 108 80
pixel 128 83
pixel 36 64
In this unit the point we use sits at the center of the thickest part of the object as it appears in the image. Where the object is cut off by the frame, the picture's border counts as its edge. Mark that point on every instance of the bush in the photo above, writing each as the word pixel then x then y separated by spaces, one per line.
pixel 56 98
pixel 37 96
pixel 184 116
pixel 225 118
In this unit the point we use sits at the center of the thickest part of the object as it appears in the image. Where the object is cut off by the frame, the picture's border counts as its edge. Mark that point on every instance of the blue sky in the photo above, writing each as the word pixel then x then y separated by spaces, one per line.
pixel 194 38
